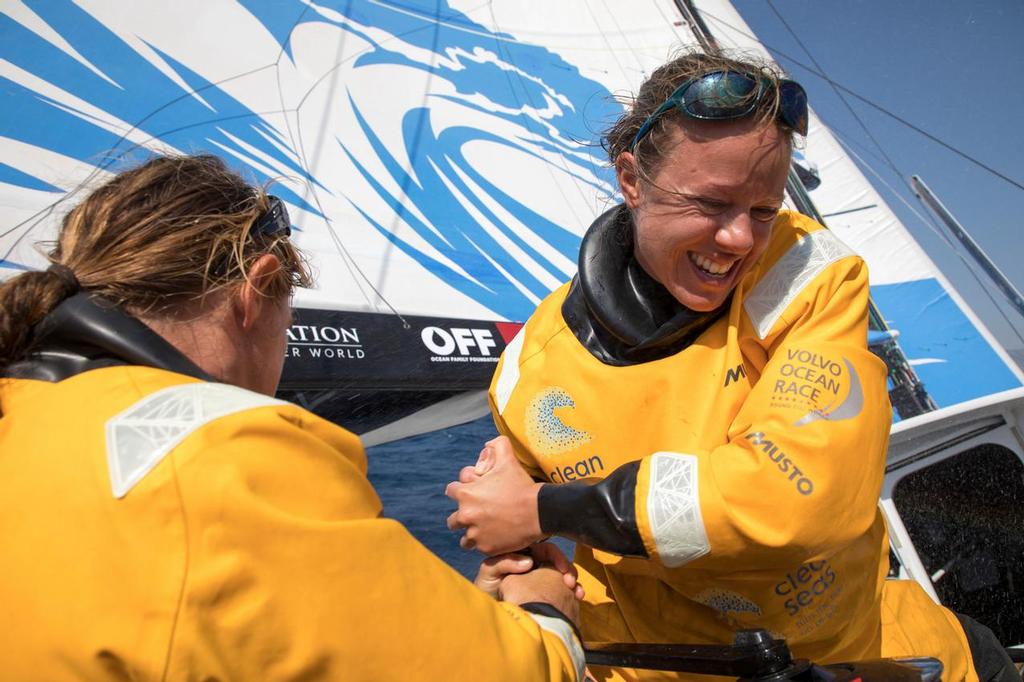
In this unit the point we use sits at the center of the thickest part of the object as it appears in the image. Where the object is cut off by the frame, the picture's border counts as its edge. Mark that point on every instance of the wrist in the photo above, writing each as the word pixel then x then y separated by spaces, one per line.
pixel 531 505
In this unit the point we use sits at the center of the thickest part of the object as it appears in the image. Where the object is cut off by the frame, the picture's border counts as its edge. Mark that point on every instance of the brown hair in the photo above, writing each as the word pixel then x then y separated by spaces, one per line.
pixel 650 151
pixel 151 240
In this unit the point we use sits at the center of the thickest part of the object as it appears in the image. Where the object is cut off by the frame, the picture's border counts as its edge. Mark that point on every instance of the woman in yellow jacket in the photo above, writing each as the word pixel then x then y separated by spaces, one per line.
pixel 164 517
pixel 699 403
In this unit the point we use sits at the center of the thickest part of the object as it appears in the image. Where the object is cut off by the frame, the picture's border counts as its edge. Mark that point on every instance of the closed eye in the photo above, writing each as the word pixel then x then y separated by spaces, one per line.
pixel 711 206
pixel 764 214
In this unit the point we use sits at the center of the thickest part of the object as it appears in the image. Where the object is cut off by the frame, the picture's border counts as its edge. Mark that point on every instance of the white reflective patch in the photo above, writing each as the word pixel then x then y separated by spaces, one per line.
pixel 673 507
pixel 141 436
pixel 509 376
pixel 564 632
pixel 804 261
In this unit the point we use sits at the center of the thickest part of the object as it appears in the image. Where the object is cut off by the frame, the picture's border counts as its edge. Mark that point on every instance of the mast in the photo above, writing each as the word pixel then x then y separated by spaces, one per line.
pixel 929 199
pixel 908 394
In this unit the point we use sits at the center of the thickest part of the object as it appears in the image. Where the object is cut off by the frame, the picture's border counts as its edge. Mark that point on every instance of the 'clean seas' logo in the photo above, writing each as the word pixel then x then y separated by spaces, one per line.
pixel 810 595
pixel 546 432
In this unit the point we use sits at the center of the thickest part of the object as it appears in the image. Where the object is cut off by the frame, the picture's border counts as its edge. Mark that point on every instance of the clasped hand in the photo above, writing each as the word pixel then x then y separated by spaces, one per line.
pixel 497 502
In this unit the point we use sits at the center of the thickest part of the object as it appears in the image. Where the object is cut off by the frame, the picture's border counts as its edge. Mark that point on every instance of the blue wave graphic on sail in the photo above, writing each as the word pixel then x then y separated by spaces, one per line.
pixel 134 91
pixel 442 197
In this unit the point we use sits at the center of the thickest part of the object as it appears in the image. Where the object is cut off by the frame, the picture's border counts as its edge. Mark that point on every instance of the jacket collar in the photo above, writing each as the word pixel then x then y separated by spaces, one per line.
pixel 619 312
pixel 85 332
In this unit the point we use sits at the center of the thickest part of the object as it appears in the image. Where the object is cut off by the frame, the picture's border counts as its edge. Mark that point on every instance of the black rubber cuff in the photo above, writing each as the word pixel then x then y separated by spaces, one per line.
pixel 542 608
pixel 601 515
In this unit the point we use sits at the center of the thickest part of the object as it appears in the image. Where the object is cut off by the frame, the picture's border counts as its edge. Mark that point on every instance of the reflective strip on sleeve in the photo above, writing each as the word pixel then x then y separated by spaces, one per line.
pixel 804 261
pixel 141 436
pixel 564 632
pixel 509 376
pixel 673 509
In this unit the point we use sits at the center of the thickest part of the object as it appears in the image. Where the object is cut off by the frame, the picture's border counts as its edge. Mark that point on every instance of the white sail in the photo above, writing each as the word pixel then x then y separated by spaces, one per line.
pixel 440 162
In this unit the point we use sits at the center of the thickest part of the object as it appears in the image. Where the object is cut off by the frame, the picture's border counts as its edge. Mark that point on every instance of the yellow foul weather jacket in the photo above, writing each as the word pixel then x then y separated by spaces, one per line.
pixel 732 482
pixel 159 527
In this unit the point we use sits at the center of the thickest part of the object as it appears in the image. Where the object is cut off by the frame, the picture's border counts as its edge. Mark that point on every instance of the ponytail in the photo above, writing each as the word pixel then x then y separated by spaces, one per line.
pixel 24 301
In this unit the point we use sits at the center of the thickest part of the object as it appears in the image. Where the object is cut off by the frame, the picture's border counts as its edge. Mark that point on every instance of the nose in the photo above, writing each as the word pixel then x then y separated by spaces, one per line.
pixel 735 234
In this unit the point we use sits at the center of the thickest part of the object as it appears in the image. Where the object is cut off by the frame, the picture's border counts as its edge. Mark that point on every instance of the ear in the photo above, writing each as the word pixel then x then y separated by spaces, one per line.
pixel 629 180
pixel 252 299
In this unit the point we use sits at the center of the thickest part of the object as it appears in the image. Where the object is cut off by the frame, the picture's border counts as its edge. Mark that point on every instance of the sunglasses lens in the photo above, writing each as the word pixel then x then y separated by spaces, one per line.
pixel 793 106
pixel 274 221
pixel 720 96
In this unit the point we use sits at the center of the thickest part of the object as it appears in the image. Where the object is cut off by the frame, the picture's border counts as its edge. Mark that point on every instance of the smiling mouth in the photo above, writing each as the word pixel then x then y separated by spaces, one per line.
pixel 711 269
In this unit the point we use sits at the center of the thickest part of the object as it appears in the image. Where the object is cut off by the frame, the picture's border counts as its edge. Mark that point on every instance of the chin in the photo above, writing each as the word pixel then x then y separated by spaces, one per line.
pixel 701 306
pixel 697 303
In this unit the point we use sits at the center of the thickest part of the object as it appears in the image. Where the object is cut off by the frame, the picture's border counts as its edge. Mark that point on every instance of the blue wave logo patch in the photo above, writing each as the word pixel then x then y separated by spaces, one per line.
pixel 547 434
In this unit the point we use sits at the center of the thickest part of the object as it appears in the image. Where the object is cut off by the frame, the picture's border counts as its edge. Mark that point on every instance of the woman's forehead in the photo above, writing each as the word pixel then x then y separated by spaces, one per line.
pixel 757 155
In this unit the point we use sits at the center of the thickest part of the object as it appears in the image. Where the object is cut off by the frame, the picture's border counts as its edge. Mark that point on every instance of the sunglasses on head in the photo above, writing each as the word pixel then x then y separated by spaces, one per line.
pixel 274 221
pixel 724 95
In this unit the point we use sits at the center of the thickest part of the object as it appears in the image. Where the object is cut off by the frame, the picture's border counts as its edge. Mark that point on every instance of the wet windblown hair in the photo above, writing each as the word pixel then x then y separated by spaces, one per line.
pixel 651 150
pixel 152 240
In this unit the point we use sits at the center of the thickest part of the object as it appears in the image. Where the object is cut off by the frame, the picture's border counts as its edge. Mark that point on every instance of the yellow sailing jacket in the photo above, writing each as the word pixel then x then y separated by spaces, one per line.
pixel 157 527
pixel 753 460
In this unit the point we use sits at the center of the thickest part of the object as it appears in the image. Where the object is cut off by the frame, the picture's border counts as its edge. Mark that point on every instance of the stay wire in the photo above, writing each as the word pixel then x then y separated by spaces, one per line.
pixel 296 138
pixel 836 90
pixel 872 104
pixel 926 219
pixel 930 223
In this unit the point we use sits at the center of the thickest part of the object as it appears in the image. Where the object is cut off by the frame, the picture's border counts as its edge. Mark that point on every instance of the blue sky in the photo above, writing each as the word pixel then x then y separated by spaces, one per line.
pixel 955 70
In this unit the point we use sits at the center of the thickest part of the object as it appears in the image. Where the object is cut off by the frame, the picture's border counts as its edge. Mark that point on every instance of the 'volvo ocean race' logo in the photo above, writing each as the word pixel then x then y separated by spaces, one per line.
pixel 333 343
pixel 847 408
pixel 819 386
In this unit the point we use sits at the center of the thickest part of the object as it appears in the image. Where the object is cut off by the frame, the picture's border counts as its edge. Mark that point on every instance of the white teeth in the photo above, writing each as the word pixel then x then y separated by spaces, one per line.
pixel 709 266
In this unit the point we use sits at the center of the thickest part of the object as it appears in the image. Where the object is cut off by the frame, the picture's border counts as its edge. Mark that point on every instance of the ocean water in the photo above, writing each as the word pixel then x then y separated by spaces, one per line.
pixel 410 476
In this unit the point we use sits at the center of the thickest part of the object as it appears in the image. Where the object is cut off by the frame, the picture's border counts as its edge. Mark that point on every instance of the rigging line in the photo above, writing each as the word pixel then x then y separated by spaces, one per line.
pixel 872 104
pixel 297 145
pixel 679 26
pixel 885 157
pixel 346 257
pixel 609 48
pixel 42 214
pixel 526 119
pixel 839 94
pixel 414 148
pixel 942 235
pixel 622 34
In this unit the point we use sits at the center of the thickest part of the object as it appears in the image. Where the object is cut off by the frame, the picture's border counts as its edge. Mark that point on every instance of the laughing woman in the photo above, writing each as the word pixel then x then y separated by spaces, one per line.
pixel 699 403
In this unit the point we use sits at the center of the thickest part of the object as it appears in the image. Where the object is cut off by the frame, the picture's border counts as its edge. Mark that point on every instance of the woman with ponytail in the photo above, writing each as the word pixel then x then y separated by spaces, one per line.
pixel 163 516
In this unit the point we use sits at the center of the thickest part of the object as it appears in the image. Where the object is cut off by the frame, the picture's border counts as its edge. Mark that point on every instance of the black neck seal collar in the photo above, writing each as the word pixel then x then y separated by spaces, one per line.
pixel 619 312
pixel 85 332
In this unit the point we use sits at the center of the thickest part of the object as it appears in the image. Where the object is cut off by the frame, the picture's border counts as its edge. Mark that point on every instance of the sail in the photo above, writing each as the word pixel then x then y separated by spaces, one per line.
pixel 439 169
pixel 439 160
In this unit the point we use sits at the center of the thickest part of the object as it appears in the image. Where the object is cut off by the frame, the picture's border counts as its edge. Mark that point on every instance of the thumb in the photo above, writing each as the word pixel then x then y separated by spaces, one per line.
pixel 501 451
pixel 485 461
